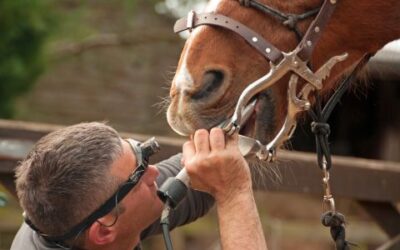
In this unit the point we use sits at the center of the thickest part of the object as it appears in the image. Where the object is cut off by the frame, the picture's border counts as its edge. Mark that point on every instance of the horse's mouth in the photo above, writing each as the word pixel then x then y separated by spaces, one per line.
pixel 248 127
pixel 248 118
pixel 256 122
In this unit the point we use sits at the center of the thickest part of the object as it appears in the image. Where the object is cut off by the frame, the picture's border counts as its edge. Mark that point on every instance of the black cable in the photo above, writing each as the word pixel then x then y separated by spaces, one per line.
pixel 164 222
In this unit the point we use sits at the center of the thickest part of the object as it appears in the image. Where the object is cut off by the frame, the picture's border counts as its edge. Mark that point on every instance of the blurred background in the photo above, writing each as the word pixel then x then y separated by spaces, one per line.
pixel 68 61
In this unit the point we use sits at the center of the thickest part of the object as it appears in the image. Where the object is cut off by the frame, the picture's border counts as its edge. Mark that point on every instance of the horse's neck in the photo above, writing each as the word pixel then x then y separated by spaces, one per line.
pixel 359 28
pixel 368 25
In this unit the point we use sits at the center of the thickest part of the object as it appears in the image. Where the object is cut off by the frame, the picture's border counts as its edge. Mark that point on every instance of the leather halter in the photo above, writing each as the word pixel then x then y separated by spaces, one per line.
pixel 295 62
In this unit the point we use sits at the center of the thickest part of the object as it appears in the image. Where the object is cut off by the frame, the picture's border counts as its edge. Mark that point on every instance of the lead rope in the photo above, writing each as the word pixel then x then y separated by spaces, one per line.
pixel 330 217
pixel 320 128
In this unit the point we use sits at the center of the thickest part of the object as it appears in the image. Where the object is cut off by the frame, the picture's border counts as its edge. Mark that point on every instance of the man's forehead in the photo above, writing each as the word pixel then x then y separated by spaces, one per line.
pixel 126 163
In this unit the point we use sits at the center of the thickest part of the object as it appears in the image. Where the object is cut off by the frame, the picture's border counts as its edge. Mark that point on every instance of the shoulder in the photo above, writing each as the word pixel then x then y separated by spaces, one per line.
pixel 23 239
pixel 172 162
pixel 169 168
pixel 27 239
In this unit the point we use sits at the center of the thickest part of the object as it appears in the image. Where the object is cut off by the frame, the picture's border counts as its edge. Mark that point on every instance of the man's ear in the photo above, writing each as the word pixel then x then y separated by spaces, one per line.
pixel 99 234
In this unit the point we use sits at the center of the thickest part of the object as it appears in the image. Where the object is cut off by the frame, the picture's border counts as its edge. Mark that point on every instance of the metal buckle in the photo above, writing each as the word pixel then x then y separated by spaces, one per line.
pixel 328 201
pixel 190 20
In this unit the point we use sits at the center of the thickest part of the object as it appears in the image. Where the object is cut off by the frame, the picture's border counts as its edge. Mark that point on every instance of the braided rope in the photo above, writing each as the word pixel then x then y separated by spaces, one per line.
pixel 287 19
pixel 336 222
pixel 321 130
pixel 245 3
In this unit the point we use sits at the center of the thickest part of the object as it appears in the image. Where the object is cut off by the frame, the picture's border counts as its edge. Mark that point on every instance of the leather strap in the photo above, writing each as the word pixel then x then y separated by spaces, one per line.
pixel 314 32
pixel 268 50
pixel 253 38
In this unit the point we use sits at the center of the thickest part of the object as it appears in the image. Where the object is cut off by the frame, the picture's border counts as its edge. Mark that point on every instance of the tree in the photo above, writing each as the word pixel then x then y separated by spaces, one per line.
pixel 24 27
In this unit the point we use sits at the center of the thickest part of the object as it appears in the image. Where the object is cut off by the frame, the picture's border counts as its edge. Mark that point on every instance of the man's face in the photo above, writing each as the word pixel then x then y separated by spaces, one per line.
pixel 141 206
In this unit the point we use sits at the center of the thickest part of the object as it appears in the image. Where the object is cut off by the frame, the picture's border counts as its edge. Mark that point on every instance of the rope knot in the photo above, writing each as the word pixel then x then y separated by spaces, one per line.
pixel 336 222
pixel 320 128
pixel 291 21
pixel 332 219
pixel 245 3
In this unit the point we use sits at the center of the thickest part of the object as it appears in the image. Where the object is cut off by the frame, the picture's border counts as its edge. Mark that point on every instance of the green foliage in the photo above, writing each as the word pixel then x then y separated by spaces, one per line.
pixel 3 200
pixel 24 27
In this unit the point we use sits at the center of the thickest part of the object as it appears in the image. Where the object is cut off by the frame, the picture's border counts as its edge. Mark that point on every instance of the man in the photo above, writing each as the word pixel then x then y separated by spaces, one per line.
pixel 76 194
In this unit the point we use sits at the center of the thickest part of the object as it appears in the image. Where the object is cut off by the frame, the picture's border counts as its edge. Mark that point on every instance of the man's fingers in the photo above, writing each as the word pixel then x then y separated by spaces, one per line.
pixel 201 141
pixel 188 151
pixel 217 139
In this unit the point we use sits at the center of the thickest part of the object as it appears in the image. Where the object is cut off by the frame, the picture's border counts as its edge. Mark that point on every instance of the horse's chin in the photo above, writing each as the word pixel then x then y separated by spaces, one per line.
pixel 187 123
pixel 181 131
pixel 185 130
pixel 178 125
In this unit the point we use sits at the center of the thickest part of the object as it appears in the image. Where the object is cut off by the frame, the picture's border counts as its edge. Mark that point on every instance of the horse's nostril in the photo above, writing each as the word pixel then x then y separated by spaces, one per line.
pixel 212 80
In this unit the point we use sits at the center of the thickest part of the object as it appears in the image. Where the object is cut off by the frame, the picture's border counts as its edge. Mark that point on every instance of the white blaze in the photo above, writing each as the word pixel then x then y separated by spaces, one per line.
pixel 184 81
pixel 183 78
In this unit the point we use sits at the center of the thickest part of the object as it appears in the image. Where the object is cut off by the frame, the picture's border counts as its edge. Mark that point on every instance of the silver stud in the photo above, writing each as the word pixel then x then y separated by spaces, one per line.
pixel 307 105
pixel 268 50
pixel 316 29
pixel 254 39
pixel 309 43
pixel 333 1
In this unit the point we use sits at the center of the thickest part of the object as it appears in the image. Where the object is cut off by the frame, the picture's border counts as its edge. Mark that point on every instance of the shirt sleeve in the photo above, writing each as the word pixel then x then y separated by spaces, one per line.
pixel 195 204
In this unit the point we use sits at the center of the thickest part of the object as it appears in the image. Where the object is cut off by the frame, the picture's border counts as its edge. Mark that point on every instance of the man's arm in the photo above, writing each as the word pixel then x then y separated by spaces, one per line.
pixel 217 167
pixel 239 222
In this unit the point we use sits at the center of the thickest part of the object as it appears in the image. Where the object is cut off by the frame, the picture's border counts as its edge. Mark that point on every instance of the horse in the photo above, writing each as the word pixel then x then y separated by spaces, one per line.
pixel 255 66
pixel 216 64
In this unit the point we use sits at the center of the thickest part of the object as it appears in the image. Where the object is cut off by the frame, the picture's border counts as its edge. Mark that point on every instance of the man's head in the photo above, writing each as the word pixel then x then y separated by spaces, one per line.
pixel 71 172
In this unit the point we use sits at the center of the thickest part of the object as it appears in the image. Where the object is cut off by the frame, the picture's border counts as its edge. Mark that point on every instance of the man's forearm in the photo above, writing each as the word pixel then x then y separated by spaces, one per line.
pixel 239 223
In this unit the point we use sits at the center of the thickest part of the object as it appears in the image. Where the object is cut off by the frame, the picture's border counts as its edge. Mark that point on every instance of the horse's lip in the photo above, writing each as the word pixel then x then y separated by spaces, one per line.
pixel 177 124
pixel 183 128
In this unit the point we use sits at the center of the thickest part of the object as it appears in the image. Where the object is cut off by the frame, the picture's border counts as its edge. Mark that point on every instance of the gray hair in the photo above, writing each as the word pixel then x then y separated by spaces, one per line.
pixel 67 176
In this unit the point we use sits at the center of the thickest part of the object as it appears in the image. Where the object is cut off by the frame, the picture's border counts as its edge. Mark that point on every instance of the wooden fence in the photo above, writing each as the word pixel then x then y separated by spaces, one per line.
pixel 375 185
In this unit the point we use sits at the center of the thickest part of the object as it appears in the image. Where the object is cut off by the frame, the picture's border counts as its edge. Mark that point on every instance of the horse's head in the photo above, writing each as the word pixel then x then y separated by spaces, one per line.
pixel 216 64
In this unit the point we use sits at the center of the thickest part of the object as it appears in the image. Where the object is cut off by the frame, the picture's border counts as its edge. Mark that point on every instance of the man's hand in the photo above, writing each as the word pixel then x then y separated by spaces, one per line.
pixel 215 164
pixel 217 167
